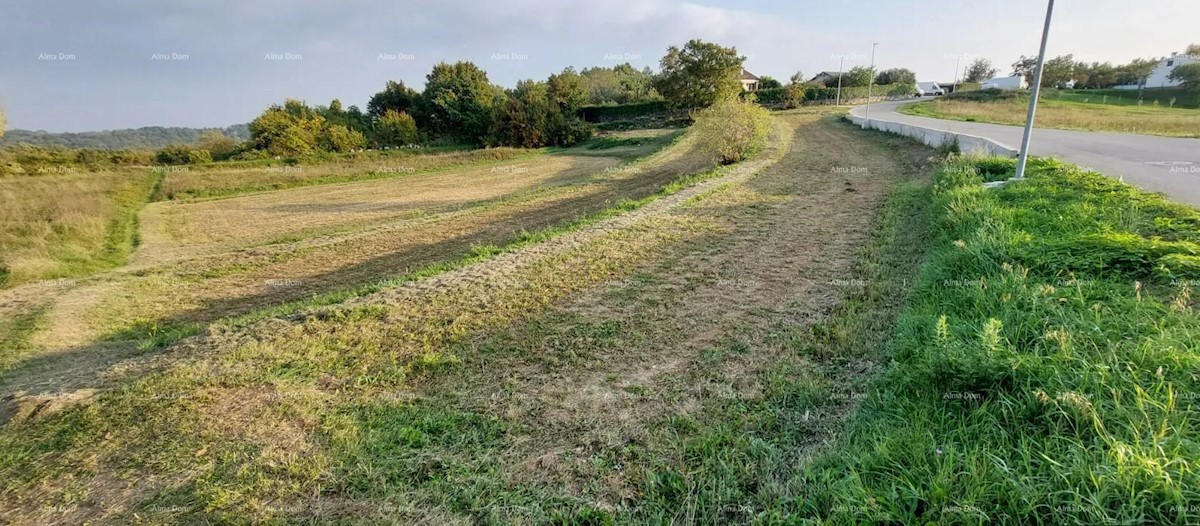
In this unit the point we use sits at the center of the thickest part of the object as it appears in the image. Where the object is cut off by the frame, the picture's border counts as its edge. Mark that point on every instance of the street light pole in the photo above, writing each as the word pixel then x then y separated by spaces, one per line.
pixel 841 68
pixel 957 63
pixel 1033 102
pixel 871 83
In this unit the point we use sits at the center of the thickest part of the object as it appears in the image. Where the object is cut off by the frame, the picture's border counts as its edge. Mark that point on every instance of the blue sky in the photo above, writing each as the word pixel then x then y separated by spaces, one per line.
pixel 124 63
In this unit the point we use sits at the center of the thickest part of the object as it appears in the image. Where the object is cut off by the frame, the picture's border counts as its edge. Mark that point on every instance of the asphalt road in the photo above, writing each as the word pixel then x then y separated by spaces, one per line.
pixel 1158 164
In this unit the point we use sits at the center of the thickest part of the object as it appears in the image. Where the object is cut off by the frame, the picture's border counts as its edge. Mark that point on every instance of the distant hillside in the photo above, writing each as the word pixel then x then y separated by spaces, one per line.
pixel 152 137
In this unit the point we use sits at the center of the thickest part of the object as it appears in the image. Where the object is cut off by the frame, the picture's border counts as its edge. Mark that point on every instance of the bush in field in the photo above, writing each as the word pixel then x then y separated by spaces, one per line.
pixel 732 129
pixel 221 146
pixel 182 154
pixel 340 139
pixel 395 128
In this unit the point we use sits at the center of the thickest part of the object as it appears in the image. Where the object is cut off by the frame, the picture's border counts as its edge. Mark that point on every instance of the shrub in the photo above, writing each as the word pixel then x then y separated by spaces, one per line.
pixel 338 138
pixel 732 129
pixel 395 128
pixel 182 154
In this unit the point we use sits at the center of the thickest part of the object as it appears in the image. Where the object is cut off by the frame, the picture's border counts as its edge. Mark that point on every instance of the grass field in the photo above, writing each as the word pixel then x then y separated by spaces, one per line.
pixel 68 224
pixel 842 329
pixel 1069 112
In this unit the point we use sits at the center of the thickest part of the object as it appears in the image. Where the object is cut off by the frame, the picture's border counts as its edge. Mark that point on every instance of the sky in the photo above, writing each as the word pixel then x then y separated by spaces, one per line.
pixel 90 65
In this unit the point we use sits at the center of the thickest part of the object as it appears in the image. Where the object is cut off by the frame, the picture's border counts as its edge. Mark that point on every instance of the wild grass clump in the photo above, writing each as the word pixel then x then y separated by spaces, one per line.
pixel 732 129
pixel 1045 367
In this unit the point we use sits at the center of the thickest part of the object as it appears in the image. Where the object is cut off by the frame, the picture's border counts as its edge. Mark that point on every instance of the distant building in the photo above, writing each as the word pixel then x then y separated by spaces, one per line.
pixel 1161 77
pixel 828 78
pixel 749 81
pixel 1005 83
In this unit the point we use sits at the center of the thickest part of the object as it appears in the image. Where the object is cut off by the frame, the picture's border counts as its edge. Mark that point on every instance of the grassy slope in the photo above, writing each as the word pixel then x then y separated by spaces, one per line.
pixel 1045 368
pixel 1070 113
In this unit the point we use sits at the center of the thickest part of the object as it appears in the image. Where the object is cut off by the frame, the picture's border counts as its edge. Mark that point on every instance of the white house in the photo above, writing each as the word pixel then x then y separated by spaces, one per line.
pixel 1005 83
pixel 749 81
pixel 1160 78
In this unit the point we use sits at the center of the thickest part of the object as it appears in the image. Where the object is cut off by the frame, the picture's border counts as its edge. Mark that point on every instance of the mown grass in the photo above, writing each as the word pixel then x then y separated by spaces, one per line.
pixel 1068 113
pixel 213 181
pixel 1044 371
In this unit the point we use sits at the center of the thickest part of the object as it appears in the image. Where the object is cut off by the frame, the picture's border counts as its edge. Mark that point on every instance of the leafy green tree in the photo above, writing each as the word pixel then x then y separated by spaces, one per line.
pixel 1193 50
pixel 395 96
pixel 530 118
pixel 620 84
pixel 3 122
pixel 395 128
pixel 1058 70
pixel 458 101
pixel 767 82
pixel 340 139
pixel 699 74
pixel 980 70
pixel 287 130
pixel 221 146
pixel 858 76
pixel 896 76
pixel 797 78
pixel 1188 74
pixel 567 90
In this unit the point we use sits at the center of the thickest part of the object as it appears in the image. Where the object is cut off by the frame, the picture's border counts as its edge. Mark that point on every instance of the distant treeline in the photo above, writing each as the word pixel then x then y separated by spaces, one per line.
pixel 151 137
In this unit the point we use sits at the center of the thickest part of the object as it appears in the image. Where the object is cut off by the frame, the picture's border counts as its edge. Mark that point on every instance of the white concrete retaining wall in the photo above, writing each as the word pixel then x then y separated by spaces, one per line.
pixel 936 138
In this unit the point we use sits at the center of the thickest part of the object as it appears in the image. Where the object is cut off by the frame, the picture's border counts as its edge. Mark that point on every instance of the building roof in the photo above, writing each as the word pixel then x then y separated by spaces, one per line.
pixel 827 74
pixel 746 75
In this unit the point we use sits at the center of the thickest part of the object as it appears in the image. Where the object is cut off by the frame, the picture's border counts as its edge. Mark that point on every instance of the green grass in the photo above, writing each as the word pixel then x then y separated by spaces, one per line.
pixel 1044 370
pixel 1062 110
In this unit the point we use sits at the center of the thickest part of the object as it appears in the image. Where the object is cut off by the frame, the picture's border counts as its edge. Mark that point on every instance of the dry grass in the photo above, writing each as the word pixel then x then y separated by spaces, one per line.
pixel 1148 120
pixel 67 224
pixel 175 230
pixel 216 180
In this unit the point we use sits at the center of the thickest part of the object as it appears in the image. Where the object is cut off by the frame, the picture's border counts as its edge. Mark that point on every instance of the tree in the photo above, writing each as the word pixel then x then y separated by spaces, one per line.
pixel 395 96
pixel 221 146
pixel 797 78
pixel 287 130
pixel 857 76
pixel 1058 70
pixel 3 122
pixel 1024 67
pixel 530 118
pixel 980 70
pixel 458 100
pixel 340 139
pixel 395 128
pixel 567 90
pixel 766 82
pixel 1188 74
pixel 1193 50
pixel 1137 71
pixel 699 74
pixel 896 76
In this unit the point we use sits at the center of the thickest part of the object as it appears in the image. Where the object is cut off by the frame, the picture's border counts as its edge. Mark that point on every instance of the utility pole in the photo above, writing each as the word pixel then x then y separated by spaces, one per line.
pixel 841 68
pixel 957 63
pixel 1033 101
pixel 871 83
